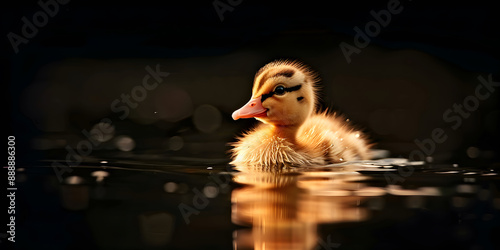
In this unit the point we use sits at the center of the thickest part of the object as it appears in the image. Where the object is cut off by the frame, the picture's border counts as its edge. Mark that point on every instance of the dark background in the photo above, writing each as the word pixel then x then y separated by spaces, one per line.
pixel 64 80
pixel 426 59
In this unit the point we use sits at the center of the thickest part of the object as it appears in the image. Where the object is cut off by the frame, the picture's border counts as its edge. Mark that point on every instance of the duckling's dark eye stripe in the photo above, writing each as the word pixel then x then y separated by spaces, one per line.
pixel 294 88
pixel 290 89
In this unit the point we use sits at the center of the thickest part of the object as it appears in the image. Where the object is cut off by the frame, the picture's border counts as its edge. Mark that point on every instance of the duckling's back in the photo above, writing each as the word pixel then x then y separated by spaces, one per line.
pixel 330 137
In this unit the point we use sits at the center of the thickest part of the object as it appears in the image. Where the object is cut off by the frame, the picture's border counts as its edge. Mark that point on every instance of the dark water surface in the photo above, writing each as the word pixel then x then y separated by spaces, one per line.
pixel 384 204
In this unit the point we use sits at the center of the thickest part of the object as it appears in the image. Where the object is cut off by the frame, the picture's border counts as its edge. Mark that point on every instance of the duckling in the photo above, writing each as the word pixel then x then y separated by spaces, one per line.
pixel 293 132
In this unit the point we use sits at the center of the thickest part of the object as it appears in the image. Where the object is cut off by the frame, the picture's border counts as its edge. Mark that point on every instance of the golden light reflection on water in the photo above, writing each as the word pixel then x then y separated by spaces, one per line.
pixel 284 210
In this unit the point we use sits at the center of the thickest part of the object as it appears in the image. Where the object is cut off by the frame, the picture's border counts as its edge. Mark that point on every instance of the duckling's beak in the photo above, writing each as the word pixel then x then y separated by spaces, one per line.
pixel 253 108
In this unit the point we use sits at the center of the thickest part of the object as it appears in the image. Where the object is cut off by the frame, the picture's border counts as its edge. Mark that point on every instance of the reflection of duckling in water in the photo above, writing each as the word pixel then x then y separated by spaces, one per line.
pixel 284 210
pixel 293 133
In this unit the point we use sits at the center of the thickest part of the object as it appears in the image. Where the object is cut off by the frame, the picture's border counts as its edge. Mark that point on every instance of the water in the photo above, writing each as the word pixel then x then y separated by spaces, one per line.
pixel 112 203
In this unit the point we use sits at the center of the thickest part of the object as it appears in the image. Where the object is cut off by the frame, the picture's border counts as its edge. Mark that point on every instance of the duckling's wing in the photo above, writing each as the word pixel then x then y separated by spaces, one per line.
pixel 329 136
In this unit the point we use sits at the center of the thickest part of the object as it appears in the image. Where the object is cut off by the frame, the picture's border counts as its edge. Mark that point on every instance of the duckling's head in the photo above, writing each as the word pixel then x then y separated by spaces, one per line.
pixel 283 94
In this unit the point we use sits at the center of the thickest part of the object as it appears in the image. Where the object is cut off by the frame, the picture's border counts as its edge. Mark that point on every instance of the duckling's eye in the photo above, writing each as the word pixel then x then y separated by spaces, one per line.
pixel 279 90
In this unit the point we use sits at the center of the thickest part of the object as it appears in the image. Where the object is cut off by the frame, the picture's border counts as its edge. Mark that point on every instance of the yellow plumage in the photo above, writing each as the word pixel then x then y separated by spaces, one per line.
pixel 292 133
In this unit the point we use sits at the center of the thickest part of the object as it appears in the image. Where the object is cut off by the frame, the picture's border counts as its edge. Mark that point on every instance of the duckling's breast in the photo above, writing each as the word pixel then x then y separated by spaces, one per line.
pixel 261 147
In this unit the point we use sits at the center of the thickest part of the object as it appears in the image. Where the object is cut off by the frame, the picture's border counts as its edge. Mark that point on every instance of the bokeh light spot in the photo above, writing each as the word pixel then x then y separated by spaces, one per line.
pixel 172 103
pixel 125 143
pixel 207 118
pixel 210 191
pixel 175 143
pixel 74 180
pixel 102 131
pixel 170 187
pixel 473 152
